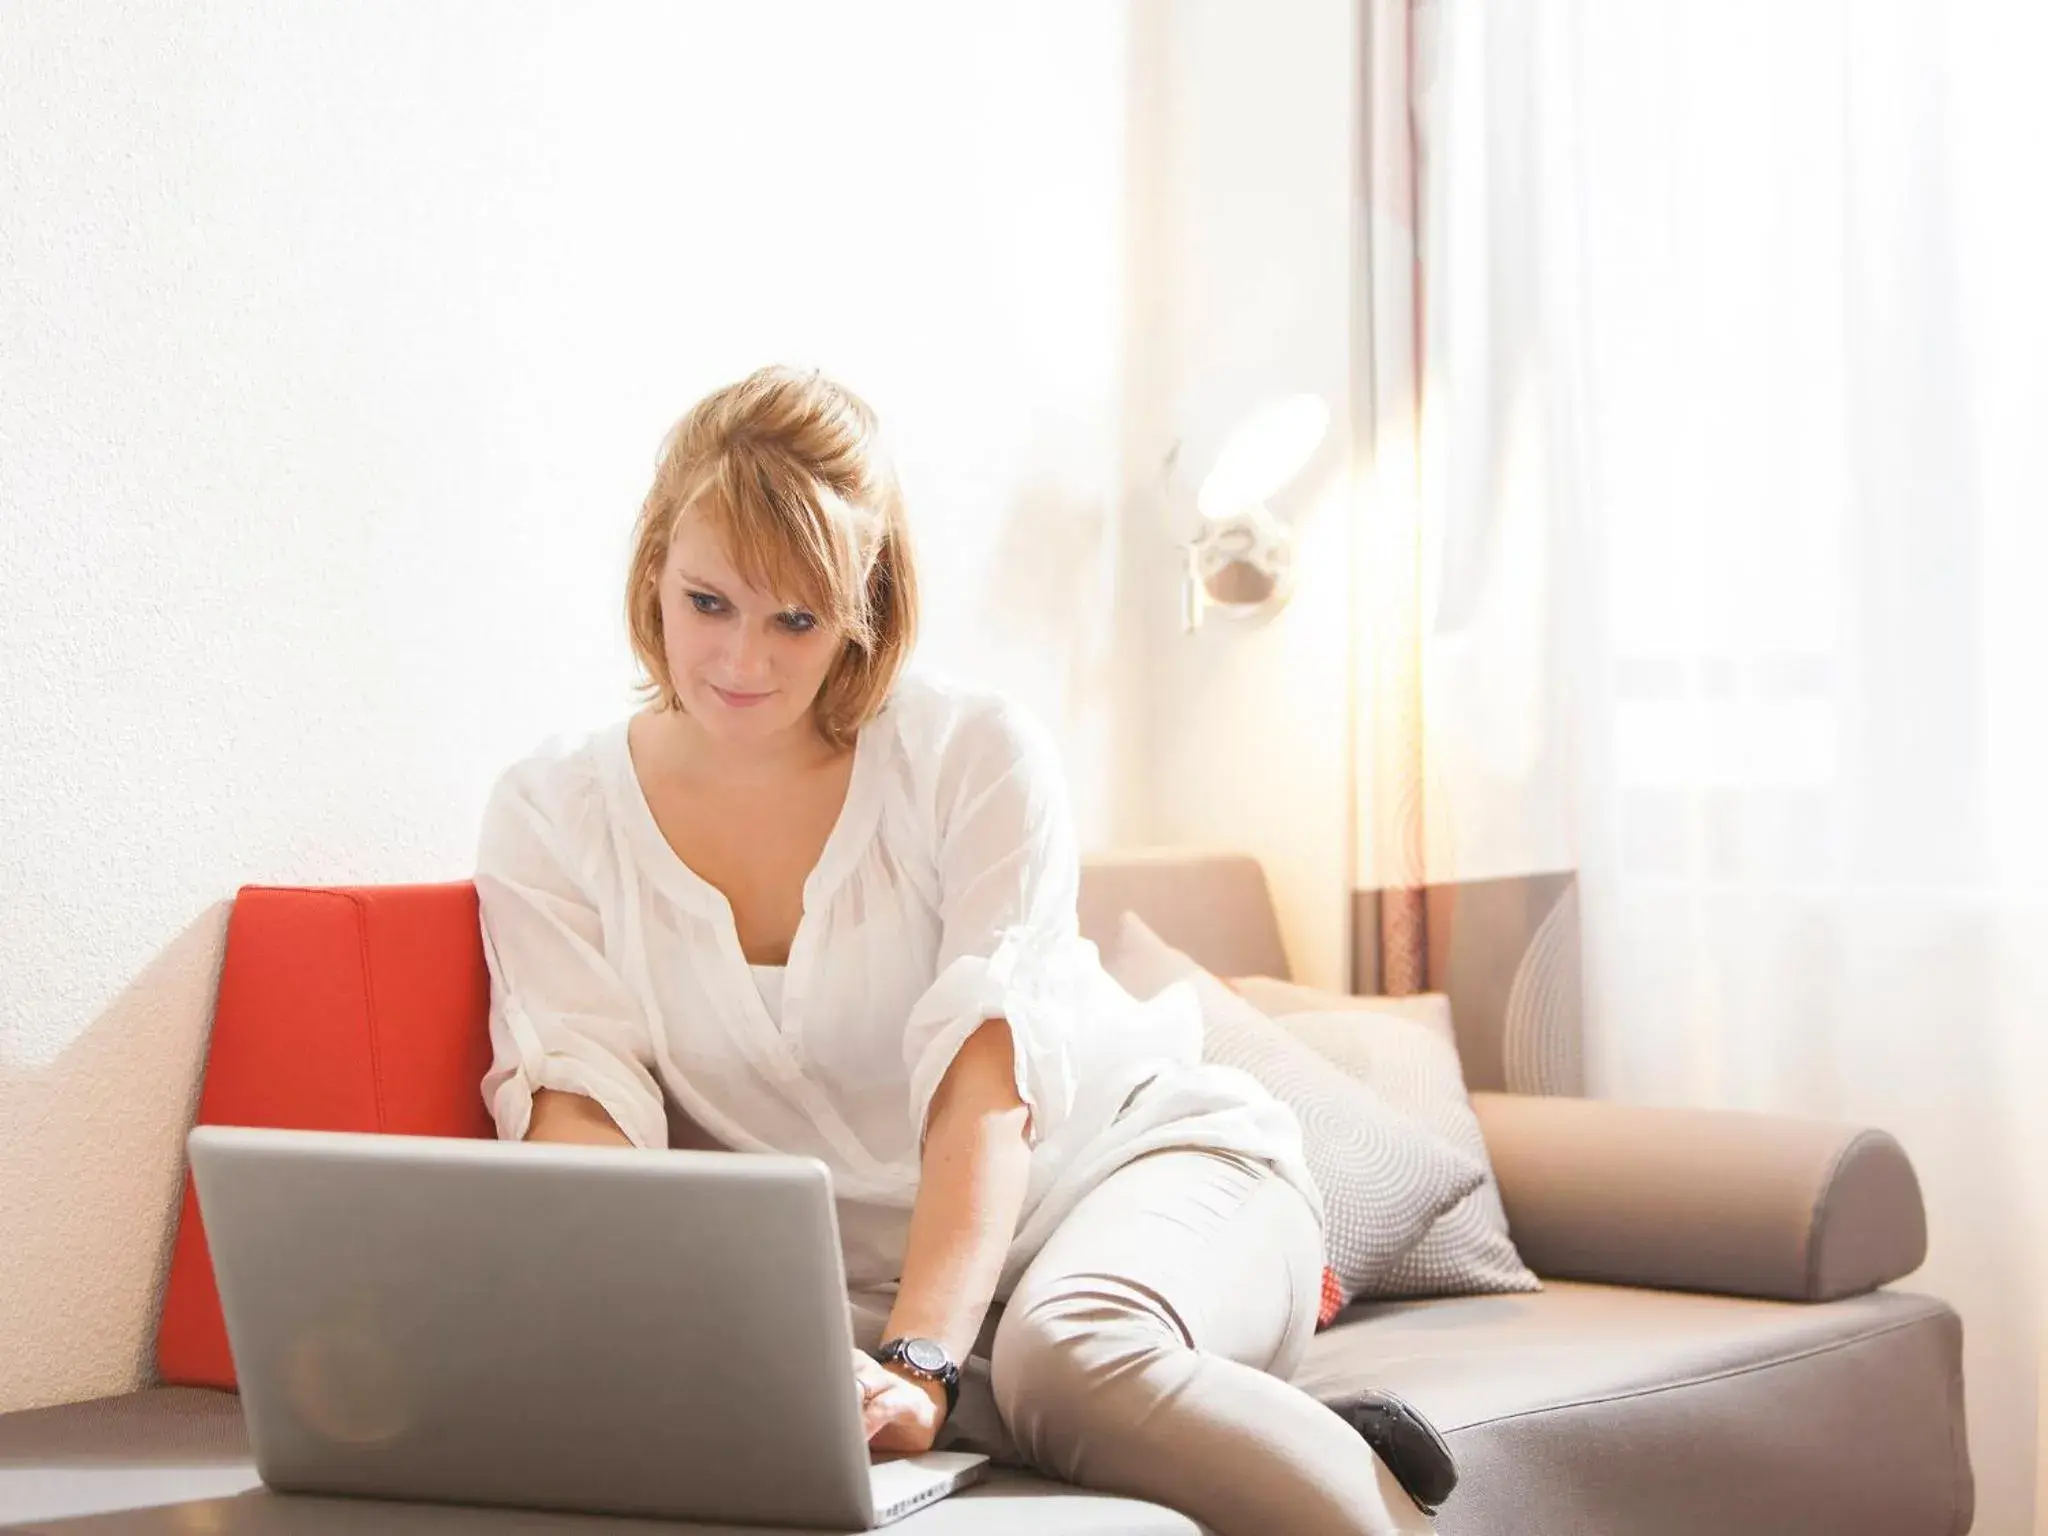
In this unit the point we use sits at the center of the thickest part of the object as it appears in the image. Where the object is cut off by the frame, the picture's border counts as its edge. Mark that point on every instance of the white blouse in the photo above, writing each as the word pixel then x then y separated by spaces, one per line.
pixel 945 895
pixel 768 982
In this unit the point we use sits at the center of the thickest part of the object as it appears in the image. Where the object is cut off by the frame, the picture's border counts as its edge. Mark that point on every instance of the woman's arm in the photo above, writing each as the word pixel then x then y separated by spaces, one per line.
pixel 987 1045
pixel 575 1118
pixel 572 1056
pixel 977 1158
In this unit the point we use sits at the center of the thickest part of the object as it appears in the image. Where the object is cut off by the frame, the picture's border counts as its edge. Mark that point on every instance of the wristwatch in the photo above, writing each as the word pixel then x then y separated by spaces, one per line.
pixel 926 1358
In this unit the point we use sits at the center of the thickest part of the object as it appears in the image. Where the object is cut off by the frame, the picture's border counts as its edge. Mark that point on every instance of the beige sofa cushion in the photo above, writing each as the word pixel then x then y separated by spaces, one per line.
pixel 1275 997
pixel 1589 1410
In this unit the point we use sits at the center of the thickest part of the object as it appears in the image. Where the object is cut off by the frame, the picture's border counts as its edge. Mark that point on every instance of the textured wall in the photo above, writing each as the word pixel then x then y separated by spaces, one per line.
pixel 337 342
pixel 1242 156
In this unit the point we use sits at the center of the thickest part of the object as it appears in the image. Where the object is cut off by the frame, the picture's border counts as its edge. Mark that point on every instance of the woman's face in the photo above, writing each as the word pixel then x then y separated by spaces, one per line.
pixel 746 664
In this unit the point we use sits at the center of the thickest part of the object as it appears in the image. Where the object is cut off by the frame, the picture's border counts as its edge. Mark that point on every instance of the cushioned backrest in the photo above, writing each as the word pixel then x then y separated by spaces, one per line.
pixel 366 1009
pixel 1213 907
pixel 339 1010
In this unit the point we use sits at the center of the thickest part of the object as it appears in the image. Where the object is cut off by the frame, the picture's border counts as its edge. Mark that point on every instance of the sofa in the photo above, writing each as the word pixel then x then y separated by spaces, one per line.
pixel 1717 1350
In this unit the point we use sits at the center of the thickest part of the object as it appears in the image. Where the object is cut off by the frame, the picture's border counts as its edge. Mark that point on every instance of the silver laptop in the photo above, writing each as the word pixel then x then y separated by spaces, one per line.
pixel 602 1330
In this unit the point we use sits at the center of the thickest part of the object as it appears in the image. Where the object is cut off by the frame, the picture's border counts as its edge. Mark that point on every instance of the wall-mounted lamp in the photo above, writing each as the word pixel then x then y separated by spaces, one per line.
pixel 1241 559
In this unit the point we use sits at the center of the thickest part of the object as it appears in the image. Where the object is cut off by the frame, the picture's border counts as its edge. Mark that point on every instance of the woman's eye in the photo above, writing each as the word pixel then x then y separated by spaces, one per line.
pixel 704 602
pixel 799 623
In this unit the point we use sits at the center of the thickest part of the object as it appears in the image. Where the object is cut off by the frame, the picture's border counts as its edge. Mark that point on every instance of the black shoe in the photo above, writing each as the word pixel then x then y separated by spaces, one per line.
pixel 1407 1442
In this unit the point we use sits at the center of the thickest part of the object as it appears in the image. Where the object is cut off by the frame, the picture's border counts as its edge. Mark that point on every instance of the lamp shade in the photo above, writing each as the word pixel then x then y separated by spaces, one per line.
pixel 1264 452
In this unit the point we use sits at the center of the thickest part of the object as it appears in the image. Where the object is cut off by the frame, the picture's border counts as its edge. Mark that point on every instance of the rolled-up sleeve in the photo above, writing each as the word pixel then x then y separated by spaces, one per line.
pixel 561 1016
pixel 1009 948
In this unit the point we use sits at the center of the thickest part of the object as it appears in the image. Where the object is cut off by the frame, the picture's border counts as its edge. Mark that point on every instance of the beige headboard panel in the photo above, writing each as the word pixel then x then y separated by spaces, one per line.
pixel 1214 906
pixel 1505 951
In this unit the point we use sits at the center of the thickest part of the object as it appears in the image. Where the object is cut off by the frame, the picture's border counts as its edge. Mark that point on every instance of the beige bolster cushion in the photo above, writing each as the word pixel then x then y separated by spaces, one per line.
pixel 1703 1200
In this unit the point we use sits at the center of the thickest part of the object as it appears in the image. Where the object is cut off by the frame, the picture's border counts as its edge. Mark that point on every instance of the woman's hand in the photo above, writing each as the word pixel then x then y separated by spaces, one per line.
pixel 901 1416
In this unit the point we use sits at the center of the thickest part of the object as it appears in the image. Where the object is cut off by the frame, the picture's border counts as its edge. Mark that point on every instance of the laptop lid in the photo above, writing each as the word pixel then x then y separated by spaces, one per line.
pixel 544 1326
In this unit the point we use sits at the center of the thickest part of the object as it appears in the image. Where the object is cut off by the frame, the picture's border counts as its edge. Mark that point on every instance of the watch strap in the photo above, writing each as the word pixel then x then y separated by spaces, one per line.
pixel 897 1352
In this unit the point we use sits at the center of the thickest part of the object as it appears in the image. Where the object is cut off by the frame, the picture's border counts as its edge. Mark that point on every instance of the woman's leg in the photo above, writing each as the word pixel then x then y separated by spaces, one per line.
pixel 1144 1352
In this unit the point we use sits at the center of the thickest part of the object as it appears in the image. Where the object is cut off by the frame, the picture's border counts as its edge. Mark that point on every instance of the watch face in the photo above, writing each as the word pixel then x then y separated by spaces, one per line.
pixel 926 1355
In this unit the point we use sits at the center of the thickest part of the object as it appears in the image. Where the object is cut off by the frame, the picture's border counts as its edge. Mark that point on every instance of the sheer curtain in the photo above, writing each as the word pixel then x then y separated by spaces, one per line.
pixel 1730 493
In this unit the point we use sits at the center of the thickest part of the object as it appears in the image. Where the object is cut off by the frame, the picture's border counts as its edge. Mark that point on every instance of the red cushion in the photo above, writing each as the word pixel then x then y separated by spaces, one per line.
pixel 339 1010
pixel 1332 1300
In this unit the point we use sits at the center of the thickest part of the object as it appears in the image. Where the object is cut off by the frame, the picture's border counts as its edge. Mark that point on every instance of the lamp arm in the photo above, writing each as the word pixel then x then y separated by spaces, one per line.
pixel 1194 597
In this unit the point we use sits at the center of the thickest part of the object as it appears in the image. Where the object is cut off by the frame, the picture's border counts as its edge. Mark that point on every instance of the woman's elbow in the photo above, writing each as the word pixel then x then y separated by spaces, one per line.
pixel 980 1087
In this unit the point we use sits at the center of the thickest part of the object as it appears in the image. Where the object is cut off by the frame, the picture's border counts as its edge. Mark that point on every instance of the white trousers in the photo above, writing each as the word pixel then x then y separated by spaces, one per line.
pixel 1146 1352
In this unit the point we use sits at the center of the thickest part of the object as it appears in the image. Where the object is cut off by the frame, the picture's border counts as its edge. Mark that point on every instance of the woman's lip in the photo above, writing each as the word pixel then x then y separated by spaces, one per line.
pixel 738 700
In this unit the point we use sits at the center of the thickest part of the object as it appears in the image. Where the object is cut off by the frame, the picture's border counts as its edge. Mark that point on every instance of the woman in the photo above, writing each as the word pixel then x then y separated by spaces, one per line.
pixel 819 904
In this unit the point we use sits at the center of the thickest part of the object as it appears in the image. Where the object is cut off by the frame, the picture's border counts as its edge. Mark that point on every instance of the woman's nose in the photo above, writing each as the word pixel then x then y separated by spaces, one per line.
pixel 746 657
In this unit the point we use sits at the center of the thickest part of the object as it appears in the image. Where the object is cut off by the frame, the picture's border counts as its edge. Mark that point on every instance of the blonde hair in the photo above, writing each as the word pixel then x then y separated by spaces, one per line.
pixel 791 472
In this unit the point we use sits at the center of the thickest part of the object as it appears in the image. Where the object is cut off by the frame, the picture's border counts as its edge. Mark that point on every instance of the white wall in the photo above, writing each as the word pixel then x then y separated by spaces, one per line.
pixel 1244 261
pixel 335 345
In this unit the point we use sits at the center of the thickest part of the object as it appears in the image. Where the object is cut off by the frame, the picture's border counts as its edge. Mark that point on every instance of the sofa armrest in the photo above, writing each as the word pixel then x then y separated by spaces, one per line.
pixel 1703 1200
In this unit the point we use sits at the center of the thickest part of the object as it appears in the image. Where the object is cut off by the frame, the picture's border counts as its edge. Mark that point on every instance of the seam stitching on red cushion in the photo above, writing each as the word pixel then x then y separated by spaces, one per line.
pixel 370 1016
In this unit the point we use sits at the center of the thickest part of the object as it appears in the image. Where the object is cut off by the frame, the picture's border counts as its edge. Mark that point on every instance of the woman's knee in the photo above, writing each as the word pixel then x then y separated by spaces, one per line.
pixel 1075 1367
